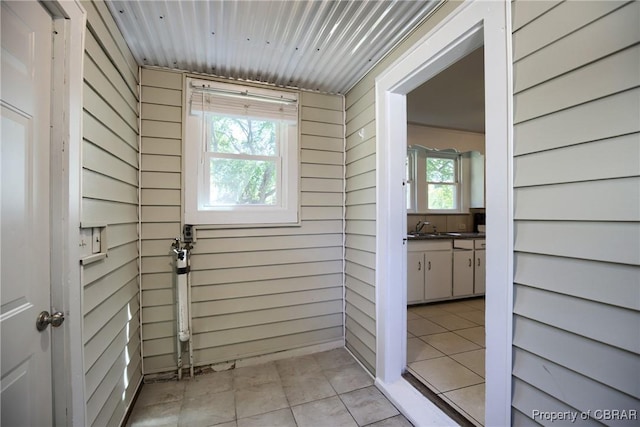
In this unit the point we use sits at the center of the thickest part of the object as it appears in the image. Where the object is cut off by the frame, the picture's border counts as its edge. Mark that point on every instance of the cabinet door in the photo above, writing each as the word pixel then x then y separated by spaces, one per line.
pixel 462 273
pixel 438 274
pixel 415 277
pixel 480 272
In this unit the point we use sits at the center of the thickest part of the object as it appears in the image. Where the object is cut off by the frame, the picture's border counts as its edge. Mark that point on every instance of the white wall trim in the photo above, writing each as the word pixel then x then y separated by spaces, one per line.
pixel 66 287
pixel 471 25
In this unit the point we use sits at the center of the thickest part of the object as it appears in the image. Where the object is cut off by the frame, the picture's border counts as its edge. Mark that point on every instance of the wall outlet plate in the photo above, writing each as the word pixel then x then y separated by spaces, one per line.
pixel 462 227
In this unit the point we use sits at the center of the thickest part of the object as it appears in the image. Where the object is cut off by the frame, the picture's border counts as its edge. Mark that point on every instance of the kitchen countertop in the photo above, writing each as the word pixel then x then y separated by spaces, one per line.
pixel 440 236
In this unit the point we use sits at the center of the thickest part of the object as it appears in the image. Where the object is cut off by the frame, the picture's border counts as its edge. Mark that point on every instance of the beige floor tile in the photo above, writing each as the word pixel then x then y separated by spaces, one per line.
pixel 477 303
pixel 214 382
pixel 154 393
pixel 470 400
pixel 348 378
pixel 161 415
pixel 229 424
pixel 255 375
pixel 279 418
pixel 397 421
pixel 427 311
pixel 473 360
pixel 423 327
pixel 475 335
pixel 368 405
pixel 306 388
pixel 334 358
pixel 412 316
pixel 449 343
pixel 207 410
pixel 419 350
pixel 296 366
pixel 445 374
pixel 325 412
pixel 476 316
pixel 456 307
pixel 451 322
pixel 260 399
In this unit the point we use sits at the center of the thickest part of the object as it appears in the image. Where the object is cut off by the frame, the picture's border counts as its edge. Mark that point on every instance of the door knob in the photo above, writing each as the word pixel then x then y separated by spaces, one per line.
pixel 44 319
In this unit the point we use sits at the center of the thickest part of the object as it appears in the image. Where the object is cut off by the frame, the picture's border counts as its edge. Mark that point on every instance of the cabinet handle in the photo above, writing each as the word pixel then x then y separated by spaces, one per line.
pixel 429 266
pixel 470 264
pixel 478 262
pixel 419 265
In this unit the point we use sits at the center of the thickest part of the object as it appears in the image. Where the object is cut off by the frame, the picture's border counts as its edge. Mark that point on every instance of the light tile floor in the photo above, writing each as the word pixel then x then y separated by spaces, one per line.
pixel 324 389
pixel 445 352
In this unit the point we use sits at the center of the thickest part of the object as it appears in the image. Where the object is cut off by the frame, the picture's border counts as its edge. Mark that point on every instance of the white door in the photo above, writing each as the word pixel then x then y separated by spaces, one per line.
pixel 24 197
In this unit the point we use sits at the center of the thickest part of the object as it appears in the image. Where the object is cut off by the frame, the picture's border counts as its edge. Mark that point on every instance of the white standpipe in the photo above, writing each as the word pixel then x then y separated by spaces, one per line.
pixel 182 269
pixel 183 303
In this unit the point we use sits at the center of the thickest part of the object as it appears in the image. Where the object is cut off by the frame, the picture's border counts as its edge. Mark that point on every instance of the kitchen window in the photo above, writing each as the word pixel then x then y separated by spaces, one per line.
pixel 241 155
pixel 437 181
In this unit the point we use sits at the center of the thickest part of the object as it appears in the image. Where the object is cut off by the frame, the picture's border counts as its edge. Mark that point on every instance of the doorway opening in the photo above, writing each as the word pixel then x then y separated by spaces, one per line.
pixel 471 26
pixel 445 260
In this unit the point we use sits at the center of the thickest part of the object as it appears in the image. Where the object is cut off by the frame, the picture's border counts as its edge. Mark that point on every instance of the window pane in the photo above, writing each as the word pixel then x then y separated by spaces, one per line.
pixel 440 170
pixel 242 135
pixel 441 196
pixel 242 182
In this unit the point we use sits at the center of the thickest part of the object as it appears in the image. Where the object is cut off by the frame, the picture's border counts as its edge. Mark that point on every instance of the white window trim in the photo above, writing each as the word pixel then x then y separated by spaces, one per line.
pixel 458 184
pixel 285 213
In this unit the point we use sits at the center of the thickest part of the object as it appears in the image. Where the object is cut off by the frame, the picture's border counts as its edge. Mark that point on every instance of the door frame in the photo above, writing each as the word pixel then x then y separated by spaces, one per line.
pixel 471 25
pixel 69 23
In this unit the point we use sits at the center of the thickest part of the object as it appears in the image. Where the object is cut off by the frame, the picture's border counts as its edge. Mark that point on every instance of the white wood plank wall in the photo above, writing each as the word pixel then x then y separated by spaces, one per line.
pixel 111 308
pixel 577 207
pixel 360 250
pixel 255 290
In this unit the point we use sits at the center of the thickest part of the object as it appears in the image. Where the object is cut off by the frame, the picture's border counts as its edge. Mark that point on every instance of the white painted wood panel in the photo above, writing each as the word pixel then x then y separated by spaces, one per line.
pixel 267 243
pixel 358 182
pixel 598 160
pixel 322 115
pixel 622 71
pixel 99 109
pixel 319 100
pixel 161 163
pixel 161 129
pixel 321 157
pixel 98 186
pixel 364 258
pixel 616 242
pixel 527 399
pixel 166 180
pixel 98 160
pixel 580 355
pixel 96 133
pixel 580 124
pixel 163 113
pixel 163 146
pixel 605 200
pixel 365 133
pixel 524 11
pixel 322 143
pixel 306 228
pixel 557 23
pixel 598 37
pixel 612 284
pixel 156 95
pixel 106 212
pixel 267 316
pixel 366 290
pixel 232 276
pixel 101 289
pixel 616 327
pixel 160 214
pixel 162 78
pixel 567 386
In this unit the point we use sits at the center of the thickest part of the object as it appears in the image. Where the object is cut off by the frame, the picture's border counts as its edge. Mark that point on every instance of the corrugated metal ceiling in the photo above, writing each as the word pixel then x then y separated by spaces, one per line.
pixel 318 45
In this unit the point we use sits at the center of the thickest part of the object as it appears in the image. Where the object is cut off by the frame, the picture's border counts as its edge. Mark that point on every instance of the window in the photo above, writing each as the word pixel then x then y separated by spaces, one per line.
pixel 442 182
pixel 241 155
pixel 436 181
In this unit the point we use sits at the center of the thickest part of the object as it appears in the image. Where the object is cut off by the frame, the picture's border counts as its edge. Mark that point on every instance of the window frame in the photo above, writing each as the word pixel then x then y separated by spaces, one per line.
pixel 419 192
pixel 196 156
pixel 456 184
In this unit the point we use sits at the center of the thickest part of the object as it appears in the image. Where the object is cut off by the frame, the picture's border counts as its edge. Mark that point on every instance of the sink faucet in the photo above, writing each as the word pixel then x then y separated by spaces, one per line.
pixel 421 224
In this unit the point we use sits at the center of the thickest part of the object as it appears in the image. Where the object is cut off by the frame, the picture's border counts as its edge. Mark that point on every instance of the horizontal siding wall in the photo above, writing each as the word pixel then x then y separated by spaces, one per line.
pixel 255 291
pixel 110 197
pixel 577 207
pixel 360 251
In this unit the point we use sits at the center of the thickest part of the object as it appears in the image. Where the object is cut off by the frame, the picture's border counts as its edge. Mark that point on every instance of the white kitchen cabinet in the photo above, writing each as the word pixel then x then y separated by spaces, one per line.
pixel 463 272
pixel 480 271
pixel 429 270
pixel 437 274
pixel 415 277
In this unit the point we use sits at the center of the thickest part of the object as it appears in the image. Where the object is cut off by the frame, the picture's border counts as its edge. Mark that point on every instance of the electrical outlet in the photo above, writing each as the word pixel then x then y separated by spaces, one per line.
pixel 462 227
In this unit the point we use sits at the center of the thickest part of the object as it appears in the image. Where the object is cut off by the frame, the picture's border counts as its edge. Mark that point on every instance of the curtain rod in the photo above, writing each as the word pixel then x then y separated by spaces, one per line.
pixel 245 95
